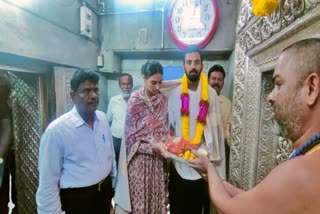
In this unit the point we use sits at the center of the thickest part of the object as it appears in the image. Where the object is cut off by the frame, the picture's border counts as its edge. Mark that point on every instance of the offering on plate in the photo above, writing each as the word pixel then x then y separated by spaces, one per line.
pixel 202 151
pixel 182 148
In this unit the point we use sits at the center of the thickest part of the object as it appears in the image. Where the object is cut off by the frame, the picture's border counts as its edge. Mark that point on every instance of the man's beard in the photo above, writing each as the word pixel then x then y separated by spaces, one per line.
pixel 126 94
pixel 193 75
pixel 288 117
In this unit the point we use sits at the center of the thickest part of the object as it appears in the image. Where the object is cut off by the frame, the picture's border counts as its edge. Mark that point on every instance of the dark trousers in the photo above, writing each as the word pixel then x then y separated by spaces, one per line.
pixel 117 146
pixel 93 199
pixel 187 196
pixel 9 169
pixel 227 151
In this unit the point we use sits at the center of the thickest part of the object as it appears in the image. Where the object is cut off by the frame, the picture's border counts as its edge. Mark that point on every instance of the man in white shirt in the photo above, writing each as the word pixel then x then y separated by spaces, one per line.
pixel 216 76
pixel 117 111
pixel 188 192
pixel 77 166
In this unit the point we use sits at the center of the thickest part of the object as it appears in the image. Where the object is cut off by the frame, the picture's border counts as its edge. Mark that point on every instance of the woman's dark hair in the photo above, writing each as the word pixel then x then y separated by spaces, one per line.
pixel 83 75
pixel 150 68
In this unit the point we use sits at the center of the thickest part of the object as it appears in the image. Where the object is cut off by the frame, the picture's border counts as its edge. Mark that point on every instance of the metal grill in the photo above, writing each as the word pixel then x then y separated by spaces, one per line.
pixel 27 126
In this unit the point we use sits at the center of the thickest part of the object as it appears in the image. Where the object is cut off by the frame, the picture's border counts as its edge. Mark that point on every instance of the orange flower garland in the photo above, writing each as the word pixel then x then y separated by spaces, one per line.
pixel 264 7
pixel 204 105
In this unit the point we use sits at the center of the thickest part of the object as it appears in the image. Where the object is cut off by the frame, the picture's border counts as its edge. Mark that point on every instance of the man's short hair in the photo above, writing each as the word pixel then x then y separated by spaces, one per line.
pixel 217 68
pixel 126 74
pixel 83 75
pixel 191 49
pixel 306 55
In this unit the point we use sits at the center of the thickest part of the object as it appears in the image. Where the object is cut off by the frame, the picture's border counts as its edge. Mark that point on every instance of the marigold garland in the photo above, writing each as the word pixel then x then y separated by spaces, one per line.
pixel 203 110
pixel 264 7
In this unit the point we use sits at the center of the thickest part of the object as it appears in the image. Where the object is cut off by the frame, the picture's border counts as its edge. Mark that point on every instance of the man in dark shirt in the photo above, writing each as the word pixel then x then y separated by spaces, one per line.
pixel 6 152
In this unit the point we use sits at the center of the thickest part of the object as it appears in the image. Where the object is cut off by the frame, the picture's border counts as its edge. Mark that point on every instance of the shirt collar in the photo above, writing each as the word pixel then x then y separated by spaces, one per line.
pixel 221 98
pixel 77 119
pixel 120 97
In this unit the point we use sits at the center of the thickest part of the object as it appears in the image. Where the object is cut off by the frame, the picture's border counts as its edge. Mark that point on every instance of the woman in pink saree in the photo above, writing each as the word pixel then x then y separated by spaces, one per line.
pixel 146 132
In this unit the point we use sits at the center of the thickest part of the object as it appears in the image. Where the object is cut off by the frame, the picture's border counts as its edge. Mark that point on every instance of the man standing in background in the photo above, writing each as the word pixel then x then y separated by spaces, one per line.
pixel 7 152
pixel 117 111
pixel 216 76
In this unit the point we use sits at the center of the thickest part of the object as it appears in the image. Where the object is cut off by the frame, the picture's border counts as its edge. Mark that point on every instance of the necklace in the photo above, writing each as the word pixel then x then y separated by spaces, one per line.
pixel 313 149
pixel 203 110
pixel 315 140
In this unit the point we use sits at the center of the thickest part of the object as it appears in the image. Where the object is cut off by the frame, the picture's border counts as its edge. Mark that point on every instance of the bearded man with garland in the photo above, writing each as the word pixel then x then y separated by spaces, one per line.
pixel 195 115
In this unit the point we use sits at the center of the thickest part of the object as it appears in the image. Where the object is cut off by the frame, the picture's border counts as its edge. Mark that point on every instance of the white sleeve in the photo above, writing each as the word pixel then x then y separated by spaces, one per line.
pixel 50 167
pixel 109 111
